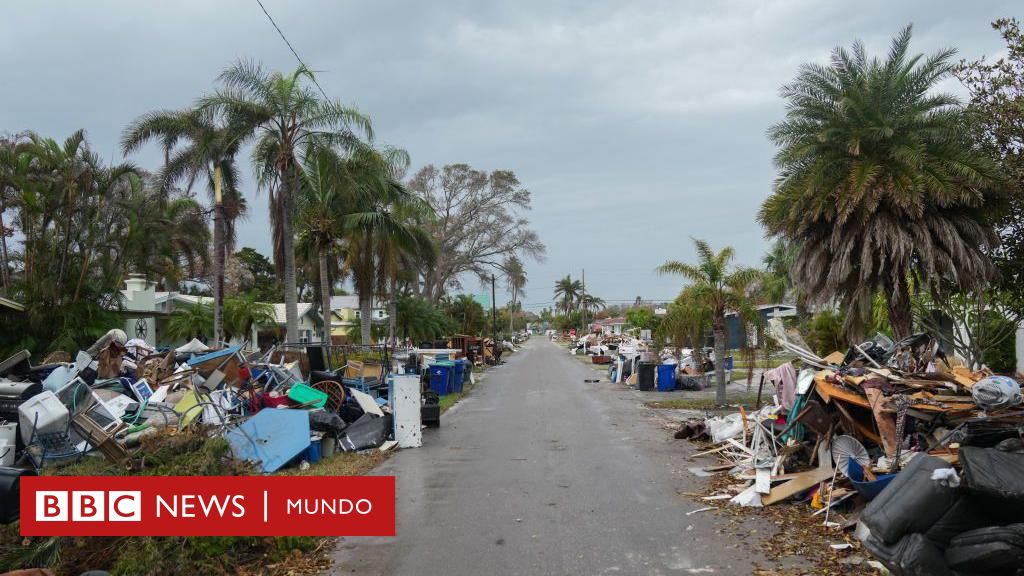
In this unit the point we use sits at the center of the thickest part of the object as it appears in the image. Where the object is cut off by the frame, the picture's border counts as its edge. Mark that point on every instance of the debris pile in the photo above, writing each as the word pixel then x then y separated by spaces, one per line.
pixel 922 455
pixel 275 409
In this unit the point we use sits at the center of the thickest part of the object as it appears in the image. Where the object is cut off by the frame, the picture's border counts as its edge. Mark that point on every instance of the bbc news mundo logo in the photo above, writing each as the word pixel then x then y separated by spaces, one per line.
pixel 89 506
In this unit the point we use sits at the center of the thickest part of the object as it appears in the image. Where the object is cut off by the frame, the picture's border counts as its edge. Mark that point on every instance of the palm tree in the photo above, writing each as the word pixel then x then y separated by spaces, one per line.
pixel 195 144
pixel 716 284
pixel 245 311
pixel 190 321
pixel 591 303
pixel 384 228
pixel 515 278
pixel 879 183
pixel 567 292
pixel 287 118
pixel 322 204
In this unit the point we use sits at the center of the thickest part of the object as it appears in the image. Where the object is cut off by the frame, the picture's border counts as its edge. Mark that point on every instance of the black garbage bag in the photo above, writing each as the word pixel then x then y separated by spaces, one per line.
pixel 993 472
pixel 912 555
pixel 688 383
pixel 324 421
pixel 911 503
pixel 10 492
pixel 368 432
pixel 350 412
pixel 994 551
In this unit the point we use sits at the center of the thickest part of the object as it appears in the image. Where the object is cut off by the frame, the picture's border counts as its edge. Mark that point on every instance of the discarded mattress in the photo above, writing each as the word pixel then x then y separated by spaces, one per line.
pixel 993 472
pixel 995 550
pixel 912 555
pixel 911 503
pixel 271 438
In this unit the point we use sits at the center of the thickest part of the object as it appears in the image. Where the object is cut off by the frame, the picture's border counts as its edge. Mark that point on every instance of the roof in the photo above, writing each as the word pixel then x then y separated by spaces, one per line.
pixel 615 321
pixel 279 312
pixel 351 301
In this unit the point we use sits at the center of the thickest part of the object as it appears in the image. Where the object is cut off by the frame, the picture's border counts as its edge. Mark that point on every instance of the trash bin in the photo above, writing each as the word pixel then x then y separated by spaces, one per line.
pixel 728 362
pixel 666 377
pixel 458 375
pixel 645 379
pixel 440 378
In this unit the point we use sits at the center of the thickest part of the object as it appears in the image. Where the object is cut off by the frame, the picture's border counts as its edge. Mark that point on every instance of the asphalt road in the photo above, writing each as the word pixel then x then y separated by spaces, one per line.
pixel 539 472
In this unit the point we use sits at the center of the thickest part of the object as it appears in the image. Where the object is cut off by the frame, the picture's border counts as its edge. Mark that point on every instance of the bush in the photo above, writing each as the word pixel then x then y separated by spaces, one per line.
pixel 826 333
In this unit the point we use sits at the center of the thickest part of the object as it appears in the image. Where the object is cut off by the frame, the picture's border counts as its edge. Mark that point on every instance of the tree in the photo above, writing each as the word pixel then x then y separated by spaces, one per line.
pixel 264 282
pixel 467 314
pixel 422 321
pixel 879 183
pixel 826 333
pixel 997 106
pixel 590 303
pixel 716 285
pixel 385 231
pixel 515 280
pixel 686 322
pixel 479 223
pixel 978 324
pixel 642 318
pixel 287 118
pixel 196 145
pixel 192 321
pixel 323 202
pixel 245 311
pixel 567 294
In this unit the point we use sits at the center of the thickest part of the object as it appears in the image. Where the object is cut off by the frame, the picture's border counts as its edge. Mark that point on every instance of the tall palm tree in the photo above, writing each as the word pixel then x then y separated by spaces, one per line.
pixel 245 311
pixel 197 144
pixel 287 118
pixel 324 200
pixel 515 278
pixel 567 292
pixel 383 228
pixel 879 182
pixel 591 303
pixel 716 284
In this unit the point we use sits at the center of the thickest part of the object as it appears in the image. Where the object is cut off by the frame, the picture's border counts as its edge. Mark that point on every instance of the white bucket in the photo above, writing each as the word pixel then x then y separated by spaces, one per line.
pixel 6 453
pixel 8 432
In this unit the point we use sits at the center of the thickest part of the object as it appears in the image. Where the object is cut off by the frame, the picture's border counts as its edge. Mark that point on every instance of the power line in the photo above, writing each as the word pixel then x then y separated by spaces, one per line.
pixel 289 44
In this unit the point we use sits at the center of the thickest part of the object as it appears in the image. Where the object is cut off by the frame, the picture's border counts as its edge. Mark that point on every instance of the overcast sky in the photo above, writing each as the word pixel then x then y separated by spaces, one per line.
pixel 635 125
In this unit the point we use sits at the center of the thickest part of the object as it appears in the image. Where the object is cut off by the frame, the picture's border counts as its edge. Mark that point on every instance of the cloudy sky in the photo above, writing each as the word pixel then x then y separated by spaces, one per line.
pixel 635 125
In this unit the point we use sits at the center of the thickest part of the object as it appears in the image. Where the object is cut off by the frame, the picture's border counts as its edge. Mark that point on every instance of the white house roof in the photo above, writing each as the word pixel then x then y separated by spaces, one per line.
pixel 162 297
pixel 351 301
pixel 280 316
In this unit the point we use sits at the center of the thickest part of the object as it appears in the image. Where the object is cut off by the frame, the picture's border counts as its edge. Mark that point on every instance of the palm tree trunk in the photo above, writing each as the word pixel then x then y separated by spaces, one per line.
pixel 718 326
pixel 365 311
pixel 291 299
pixel 218 272
pixel 3 246
pixel 393 312
pixel 897 299
pixel 512 312
pixel 325 297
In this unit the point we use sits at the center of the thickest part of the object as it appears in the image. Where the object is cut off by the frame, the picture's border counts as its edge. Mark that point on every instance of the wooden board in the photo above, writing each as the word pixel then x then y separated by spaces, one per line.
pixel 804 481
pixel 829 392
pixel 835 358
pixel 884 421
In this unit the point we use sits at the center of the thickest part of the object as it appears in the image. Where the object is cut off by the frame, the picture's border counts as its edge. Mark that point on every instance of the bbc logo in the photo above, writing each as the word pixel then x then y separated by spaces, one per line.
pixel 88 506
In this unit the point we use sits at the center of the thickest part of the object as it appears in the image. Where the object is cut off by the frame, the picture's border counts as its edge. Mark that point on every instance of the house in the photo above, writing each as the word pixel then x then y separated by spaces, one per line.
pixel 148 310
pixel 608 326
pixel 346 315
pixel 735 338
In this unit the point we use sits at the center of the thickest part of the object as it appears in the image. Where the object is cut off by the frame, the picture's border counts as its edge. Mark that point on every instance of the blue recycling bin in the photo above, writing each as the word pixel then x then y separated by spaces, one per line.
pixel 440 378
pixel 666 377
pixel 459 374
pixel 728 362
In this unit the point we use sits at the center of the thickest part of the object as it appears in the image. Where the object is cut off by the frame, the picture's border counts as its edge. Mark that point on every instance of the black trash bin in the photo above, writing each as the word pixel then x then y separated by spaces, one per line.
pixel 645 381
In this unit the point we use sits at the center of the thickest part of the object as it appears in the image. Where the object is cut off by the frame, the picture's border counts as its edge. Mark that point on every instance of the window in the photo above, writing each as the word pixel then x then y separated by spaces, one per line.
pixel 380 313
pixel 357 314
pixel 304 336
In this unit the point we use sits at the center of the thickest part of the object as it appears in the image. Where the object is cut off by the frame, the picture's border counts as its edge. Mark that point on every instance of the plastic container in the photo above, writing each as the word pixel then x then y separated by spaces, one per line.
pixel 440 378
pixel 666 377
pixel 459 375
pixel 8 432
pixel 44 411
pixel 645 379
pixel 312 454
pixel 303 394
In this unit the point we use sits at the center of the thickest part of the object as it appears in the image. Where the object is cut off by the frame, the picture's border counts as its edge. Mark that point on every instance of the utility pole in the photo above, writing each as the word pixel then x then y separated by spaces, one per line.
pixel 494 318
pixel 583 309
